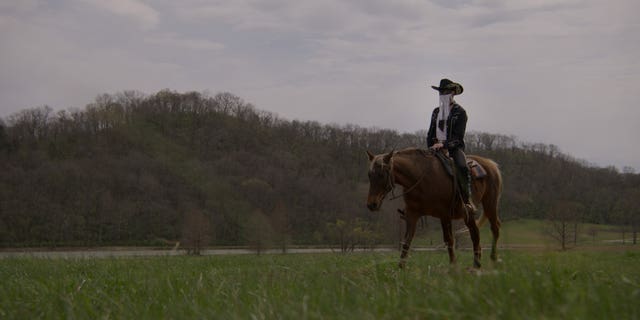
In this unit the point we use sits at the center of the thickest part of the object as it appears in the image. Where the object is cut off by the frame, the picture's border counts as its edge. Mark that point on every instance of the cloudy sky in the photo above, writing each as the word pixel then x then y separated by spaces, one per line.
pixel 563 72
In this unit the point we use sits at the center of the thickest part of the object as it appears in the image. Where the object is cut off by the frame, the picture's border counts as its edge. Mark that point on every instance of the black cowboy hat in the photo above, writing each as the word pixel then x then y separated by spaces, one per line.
pixel 446 84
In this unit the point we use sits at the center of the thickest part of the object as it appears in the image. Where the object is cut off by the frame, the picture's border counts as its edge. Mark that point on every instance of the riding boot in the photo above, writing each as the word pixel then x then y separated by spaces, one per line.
pixel 468 204
pixel 465 190
pixel 463 177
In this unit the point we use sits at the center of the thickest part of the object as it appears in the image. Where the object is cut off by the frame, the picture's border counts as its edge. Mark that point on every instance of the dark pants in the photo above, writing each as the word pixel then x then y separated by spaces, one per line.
pixel 463 174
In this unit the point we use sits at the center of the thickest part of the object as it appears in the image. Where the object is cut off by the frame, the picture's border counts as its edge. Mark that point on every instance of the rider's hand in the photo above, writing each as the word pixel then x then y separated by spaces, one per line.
pixel 437 146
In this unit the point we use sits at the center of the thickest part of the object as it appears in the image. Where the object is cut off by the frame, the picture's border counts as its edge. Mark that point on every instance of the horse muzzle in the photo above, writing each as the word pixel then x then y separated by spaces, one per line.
pixel 375 203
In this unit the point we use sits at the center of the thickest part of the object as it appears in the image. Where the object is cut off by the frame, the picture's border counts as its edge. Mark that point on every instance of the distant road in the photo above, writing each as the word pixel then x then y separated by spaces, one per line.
pixel 73 253
pixel 145 252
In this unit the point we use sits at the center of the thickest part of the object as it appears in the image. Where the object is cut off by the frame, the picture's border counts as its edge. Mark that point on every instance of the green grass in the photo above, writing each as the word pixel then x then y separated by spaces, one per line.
pixel 550 285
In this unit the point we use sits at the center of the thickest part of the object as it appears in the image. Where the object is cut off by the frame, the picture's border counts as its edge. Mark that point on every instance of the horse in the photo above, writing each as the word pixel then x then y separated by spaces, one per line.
pixel 428 190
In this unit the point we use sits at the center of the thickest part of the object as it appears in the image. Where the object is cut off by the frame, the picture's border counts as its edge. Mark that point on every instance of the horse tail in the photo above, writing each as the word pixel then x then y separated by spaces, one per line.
pixel 494 190
pixel 491 198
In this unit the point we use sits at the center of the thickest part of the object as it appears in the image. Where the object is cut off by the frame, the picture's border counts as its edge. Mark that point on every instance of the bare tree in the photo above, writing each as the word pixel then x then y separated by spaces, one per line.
pixel 196 231
pixel 281 225
pixel 258 232
pixel 339 231
pixel 593 232
pixel 563 220
pixel 628 214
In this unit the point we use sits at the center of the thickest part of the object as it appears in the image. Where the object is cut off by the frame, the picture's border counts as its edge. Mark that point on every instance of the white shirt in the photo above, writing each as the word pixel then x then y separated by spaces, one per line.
pixel 443 114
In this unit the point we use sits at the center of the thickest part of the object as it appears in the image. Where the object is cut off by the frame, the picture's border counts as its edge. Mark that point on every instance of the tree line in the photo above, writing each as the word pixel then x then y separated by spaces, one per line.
pixel 135 169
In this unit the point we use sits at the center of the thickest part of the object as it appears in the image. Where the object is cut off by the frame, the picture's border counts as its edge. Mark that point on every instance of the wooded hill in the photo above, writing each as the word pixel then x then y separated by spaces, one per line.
pixel 136 169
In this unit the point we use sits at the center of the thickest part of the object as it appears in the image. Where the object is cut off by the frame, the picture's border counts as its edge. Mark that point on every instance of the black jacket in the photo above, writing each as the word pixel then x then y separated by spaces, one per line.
pixel 456 127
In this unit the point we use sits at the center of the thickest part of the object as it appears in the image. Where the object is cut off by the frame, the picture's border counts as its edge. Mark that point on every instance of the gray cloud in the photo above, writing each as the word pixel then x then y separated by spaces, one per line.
pixel 138 11
pixel 561 72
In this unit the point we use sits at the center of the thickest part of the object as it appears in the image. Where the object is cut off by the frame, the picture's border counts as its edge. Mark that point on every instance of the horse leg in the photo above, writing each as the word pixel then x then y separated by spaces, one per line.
pixel 470 222
pixel 491 212
pixel 410 231
pixel 447 233
pixel 495 231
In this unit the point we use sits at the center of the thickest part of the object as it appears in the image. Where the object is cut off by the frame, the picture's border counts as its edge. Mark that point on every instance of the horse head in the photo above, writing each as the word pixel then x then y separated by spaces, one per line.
pixel 380 179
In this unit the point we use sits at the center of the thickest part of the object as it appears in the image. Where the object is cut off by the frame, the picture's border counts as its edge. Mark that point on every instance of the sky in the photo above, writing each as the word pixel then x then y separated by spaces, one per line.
pixel 561 72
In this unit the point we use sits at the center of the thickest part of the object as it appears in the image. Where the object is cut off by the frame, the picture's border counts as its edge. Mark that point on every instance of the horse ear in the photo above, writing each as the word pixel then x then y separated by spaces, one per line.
pixel 371 156
pixel 387 157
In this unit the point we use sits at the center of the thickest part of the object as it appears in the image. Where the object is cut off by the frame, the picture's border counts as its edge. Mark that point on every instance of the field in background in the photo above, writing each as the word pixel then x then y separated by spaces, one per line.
pixel 556 285
pixel 528 233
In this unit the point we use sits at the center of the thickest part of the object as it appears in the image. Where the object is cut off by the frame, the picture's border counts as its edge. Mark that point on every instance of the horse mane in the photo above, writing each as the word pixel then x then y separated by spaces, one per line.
pixel 412 151
pixel 416 157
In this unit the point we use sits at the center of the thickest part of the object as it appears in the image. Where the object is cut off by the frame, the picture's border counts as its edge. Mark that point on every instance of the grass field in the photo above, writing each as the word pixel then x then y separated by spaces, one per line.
pixel 526 285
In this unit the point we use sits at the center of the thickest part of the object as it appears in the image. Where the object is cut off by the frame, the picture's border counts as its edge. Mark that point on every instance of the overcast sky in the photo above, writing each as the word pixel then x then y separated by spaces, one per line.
pixel 563 72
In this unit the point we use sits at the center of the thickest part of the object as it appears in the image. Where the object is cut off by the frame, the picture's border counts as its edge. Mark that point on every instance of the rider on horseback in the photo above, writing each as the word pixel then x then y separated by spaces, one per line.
pixel 448 125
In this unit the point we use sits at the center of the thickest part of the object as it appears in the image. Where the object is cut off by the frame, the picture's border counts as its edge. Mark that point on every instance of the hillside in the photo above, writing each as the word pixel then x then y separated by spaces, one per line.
pixel 137 169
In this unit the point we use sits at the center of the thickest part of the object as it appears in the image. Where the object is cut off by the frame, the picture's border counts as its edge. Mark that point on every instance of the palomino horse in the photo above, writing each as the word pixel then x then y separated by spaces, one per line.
pixel 428 190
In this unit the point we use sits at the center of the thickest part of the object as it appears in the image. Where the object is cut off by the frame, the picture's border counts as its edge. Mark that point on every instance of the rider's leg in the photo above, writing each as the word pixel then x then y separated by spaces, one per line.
pixel 460 160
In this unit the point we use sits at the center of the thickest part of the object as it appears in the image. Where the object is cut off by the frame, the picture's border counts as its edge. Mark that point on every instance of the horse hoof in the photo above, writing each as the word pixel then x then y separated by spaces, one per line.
pixel 475 271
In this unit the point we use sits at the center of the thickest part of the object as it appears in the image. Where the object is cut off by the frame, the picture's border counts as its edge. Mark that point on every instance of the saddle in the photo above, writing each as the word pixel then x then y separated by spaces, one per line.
pixel 477 171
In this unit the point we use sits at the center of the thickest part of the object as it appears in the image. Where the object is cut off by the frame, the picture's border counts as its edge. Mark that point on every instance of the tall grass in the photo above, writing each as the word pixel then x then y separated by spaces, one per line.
pixel 570 285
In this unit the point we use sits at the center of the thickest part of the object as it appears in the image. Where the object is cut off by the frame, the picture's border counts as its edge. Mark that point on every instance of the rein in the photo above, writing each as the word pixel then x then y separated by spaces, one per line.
pixel 393 184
